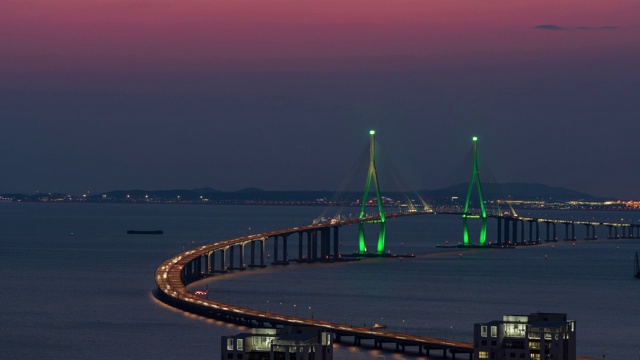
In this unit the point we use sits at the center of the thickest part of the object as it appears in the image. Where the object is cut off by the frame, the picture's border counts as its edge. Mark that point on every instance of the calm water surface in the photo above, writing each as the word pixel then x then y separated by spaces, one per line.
pixel 74 285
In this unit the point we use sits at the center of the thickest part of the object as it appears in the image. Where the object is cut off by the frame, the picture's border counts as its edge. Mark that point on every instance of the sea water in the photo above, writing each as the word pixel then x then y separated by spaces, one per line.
pixel 75 285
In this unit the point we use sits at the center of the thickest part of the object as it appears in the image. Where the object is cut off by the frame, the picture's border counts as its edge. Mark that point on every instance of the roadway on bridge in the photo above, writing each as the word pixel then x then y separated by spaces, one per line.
pixel 174 291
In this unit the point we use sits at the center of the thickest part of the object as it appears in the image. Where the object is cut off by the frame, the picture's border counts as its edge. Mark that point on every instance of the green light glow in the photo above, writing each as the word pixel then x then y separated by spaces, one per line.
pixel 475 176
pixel 372 175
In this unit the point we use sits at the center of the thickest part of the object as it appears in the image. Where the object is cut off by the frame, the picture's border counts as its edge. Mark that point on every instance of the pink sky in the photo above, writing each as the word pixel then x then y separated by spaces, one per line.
pixel 187 35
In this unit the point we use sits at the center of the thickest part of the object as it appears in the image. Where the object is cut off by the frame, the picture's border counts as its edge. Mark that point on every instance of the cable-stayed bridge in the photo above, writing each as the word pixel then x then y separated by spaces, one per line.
pixel 320 242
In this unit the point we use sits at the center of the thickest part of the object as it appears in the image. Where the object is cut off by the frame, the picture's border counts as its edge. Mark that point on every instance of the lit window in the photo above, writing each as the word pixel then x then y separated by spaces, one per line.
pixel 483 331
pixel 483 355
pixel 547 336
pixel 240 344
pixel 494 331
pixel 229 344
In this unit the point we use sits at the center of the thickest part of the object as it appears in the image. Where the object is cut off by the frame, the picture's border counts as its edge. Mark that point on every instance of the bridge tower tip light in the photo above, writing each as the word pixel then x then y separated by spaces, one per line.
pixel 475 138
pixel 372 132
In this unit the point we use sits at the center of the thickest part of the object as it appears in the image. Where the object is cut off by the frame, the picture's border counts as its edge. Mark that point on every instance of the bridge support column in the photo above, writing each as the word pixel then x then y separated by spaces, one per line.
pixel 285 257
pixel 205 257
pixel 324 244
pixel 336 243
pixel 314 245
pixel 506 231
pixel 555 238
pixel 499 231
pixel 188 270
pixel 252 261
pixel 275 248
pixel 243 266
pixel 309 245
pixel 566 231
pixel 548 225
pixel 223 260
pixel 262 251
pixel 300 245
pixel 522 239
pixel 588 231
pixel 212 261
pixel 515 231
pixel 232 252
pixel 611 228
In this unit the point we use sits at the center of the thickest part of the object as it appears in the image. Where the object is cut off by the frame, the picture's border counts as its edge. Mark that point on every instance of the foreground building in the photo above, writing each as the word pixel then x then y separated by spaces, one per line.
pixel 289 343
pixel 537 336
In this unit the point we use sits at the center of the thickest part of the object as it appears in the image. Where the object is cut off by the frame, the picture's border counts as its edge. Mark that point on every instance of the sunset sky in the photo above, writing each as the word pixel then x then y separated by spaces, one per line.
pixel 100 95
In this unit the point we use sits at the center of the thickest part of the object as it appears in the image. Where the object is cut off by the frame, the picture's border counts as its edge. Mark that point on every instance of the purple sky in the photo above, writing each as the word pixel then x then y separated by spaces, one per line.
pixel 119 94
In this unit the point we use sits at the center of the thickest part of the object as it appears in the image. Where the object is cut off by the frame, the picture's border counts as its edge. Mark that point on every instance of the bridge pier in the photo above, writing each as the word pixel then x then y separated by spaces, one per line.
pixel 300 234
pixel 252 254
pixel 212 262
pixel 499 230
pixel 262 252
pixel 336 243
pixel 285 255
pixel 626 232
pixel 223 260
pixel 531 241
pixel 275 248
pixel 325 243
pixel 241 263
pixel 591 232
pixel 549 225
pixel 314 246
pixel 309 245
pixel 506 231
pixel 522 240
pixel 205 271
pixel 569 235
pixel 276 251
pixel 515 231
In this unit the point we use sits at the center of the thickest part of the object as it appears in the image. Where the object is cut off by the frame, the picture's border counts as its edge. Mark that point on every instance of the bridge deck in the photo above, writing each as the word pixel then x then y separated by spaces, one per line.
pixel 173 291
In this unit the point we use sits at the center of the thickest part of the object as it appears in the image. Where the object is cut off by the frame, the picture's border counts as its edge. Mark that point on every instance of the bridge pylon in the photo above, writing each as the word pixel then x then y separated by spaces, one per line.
pixel 372 175
pixel 475 179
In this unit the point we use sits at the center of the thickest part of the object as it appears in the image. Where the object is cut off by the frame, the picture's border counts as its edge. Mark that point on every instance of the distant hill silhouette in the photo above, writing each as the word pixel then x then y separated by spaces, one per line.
pixel 491 191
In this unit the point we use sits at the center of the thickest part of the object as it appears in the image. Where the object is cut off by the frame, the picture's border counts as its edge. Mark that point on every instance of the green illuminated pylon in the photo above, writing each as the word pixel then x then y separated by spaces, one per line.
pixel 372 175
pixel 475 176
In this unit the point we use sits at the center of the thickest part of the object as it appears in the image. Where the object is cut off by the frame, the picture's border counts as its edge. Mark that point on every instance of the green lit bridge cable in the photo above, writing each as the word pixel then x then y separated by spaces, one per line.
pixel 475 178
pixel 372 175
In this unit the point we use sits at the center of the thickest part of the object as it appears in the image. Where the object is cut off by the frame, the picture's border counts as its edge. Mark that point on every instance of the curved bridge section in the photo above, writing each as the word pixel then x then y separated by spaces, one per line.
pixel 173 276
